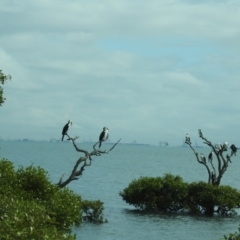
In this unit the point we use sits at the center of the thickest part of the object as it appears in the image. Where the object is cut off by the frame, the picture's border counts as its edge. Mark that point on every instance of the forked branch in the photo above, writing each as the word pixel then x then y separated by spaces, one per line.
pixel 218 150
pixel 83 161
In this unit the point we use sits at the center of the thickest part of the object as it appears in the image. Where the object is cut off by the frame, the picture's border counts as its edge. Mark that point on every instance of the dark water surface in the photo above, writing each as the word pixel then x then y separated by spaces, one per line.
pixel 111 173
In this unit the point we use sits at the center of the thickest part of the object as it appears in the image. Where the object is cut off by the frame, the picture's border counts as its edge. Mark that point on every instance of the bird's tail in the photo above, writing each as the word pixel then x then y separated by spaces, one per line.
pixel 100 144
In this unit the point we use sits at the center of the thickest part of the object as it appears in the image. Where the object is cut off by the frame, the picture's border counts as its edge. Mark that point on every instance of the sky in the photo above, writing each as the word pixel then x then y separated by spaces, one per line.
pixel 150 71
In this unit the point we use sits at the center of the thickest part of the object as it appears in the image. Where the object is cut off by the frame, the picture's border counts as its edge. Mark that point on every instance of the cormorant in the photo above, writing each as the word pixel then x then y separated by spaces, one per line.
pixel 225 146
pixel 234 149
pixel 187 139
pixel 203 158
pixel 221 147
pixel 65 129
pixel 103 136
pixel 218 147
pixel 210 156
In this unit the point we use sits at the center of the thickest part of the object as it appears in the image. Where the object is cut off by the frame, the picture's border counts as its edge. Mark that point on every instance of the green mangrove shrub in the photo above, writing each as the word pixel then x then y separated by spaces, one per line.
pixel 92 211
pixel 21 219
pixel 209 199
pixel 31 207
pixel 166 193
pixel 171 193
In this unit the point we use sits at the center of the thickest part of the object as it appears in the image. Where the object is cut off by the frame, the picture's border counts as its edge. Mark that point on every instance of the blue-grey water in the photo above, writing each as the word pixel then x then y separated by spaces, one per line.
pixel 111 173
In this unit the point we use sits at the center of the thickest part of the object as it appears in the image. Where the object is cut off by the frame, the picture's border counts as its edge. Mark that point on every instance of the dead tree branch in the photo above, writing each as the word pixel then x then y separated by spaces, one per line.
pixel 83 161
pixel 218 150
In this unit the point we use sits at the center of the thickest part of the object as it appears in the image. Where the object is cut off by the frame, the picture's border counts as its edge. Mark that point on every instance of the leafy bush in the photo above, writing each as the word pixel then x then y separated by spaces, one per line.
pixel 201 197
pixel 8 177
pixel 35 182
pixel 170 193
pixel 163 194
pixel 64 203
pixel 209 199
pixel 21 219
pixel 93 211
pixel 31 207
pixel 65 207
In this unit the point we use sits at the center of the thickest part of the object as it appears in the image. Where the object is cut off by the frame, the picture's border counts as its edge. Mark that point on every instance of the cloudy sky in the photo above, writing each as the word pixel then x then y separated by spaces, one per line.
pixel 148 70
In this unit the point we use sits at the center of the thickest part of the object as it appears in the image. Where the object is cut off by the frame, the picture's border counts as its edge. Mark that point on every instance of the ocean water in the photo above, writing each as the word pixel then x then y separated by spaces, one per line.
pixel 111 173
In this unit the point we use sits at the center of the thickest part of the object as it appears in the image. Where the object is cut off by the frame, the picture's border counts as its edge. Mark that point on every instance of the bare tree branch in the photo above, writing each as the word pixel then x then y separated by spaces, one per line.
pixel 201 162
pixel 214 177
pixel 85 160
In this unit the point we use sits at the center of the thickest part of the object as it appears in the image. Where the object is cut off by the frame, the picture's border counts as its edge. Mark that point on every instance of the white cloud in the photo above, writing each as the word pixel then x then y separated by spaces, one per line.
pixel 150 71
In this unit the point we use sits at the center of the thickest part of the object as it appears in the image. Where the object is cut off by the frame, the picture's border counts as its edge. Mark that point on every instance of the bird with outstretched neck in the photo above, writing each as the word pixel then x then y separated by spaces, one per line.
pixel 65 129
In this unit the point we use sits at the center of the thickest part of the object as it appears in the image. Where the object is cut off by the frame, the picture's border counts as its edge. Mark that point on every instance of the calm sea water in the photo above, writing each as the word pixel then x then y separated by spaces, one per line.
pixel 109 174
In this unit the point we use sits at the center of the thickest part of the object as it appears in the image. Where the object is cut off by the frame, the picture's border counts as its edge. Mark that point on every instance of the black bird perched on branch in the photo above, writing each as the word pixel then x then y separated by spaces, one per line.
pixel 234 149
pixel 65 129
pixel 103 136
pixel 210 156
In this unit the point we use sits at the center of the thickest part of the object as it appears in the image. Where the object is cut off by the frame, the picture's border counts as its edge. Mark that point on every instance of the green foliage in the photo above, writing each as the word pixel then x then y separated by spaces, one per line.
pixel 7 177
pixel 207 198
pixel 35 182
pixel 21 219
pixel 170 193
pixel 93 211
pixel 3 79
pixel 65 207
pixel 31 207
pixel 164 194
